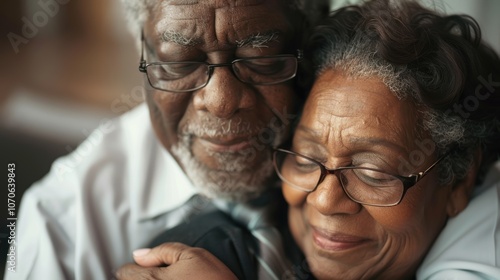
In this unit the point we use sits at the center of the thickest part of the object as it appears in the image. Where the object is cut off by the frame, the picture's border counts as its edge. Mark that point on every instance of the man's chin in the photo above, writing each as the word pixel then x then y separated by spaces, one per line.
pixel 226 175
pixel 238 160
pixel 231 185
pixel 236 195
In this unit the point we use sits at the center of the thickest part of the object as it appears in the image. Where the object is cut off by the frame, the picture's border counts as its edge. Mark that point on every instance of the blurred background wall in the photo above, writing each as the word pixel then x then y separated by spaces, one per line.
pixel 66 65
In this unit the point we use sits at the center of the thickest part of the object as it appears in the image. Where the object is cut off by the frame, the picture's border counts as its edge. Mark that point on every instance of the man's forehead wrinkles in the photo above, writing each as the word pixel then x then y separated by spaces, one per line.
pixel 179 27
pixel 187 25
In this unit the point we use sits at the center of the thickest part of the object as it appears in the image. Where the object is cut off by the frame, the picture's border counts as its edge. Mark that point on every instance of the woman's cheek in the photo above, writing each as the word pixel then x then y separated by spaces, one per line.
pixel 293 196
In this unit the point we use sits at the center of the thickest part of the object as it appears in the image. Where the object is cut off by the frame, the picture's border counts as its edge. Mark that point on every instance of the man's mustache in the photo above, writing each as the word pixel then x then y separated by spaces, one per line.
pixel 219 128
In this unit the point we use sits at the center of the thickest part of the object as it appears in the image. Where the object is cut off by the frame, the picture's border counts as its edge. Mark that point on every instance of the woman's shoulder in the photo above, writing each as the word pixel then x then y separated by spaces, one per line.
pixel 468 243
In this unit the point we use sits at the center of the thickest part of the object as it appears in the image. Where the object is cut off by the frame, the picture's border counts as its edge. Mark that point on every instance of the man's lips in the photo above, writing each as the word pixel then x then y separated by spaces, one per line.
pixel 331 241
pixel 226 144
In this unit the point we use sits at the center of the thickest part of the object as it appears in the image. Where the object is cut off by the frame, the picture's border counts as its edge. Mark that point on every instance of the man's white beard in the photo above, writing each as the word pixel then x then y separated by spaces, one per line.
pixel 233 180
pixel 236 177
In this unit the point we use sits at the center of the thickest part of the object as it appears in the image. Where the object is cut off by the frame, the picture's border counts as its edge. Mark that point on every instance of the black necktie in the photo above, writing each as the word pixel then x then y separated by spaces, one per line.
pixel 257 216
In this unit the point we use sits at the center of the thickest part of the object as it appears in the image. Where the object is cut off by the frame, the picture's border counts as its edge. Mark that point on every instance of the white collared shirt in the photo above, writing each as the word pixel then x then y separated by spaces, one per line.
pixel 469 246
pixel 112 195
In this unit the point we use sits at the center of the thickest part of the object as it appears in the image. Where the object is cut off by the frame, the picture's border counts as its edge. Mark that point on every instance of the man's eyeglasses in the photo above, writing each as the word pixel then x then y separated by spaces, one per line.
pixel 187 76
pixel 363 185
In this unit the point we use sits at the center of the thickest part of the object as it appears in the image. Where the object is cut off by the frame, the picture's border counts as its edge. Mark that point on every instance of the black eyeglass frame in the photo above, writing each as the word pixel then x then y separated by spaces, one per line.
pixel 408 181
pixel 143 65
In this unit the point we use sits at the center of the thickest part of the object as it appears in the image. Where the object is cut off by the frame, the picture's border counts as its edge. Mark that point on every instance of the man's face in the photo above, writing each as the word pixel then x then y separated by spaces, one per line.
pixel 221 134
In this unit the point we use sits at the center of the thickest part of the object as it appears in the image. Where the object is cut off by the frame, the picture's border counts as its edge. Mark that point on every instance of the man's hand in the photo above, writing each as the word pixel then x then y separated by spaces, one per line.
pixel 174 261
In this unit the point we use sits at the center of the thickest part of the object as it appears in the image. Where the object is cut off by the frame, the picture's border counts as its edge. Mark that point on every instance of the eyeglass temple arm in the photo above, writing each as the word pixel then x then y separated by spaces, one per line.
pixel 300 54
pixel 419 175
pixel 142 62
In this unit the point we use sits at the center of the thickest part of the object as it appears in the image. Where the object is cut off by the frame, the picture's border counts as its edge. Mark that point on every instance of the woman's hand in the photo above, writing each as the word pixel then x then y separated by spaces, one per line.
pixel 174 261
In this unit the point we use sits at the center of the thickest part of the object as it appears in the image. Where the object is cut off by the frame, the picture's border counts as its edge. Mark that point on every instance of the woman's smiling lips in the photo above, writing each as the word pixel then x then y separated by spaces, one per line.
pixel 330 241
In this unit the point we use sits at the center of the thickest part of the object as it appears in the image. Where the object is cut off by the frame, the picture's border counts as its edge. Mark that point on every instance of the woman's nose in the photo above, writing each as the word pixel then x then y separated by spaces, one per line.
pixel 329 198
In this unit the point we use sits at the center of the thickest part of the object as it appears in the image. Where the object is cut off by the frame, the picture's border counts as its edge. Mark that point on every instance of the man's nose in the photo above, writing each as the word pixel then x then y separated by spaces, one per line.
pixel 224 94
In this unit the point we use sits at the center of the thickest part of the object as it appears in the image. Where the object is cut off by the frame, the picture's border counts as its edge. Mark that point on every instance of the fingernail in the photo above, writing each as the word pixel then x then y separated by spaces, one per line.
pixel 141 252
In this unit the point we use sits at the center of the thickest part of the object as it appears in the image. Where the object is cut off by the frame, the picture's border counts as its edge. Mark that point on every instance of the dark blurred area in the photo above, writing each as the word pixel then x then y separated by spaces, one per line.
pixel 65 66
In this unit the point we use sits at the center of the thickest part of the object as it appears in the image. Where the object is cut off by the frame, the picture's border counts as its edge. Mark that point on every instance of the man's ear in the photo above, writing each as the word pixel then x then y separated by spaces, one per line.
pixel 462 190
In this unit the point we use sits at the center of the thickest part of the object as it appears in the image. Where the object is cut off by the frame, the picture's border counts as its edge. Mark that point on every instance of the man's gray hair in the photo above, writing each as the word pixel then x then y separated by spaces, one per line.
pixel 136 12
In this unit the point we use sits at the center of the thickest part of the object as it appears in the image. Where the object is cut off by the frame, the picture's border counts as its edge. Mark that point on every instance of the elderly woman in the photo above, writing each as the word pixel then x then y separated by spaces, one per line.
pixel 403 121
pixel 400 125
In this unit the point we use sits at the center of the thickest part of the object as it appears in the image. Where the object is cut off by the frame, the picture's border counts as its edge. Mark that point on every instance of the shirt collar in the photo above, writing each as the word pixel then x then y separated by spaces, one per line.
pixel 169 187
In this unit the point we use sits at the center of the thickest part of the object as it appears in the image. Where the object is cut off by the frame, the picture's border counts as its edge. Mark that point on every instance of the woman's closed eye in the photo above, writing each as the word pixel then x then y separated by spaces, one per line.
pixel 301 164
pixel 375 178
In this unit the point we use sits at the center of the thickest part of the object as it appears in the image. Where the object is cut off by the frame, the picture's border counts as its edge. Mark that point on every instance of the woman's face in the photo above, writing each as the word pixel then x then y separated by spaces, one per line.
pixel 360 122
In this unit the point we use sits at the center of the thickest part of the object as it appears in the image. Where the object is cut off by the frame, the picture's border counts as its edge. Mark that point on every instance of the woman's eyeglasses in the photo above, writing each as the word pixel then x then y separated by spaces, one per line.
pixel 363 185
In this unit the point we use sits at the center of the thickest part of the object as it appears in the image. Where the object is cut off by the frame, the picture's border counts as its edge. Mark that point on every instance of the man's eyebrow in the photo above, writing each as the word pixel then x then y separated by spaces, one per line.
pixel 178 38
pixel 259 40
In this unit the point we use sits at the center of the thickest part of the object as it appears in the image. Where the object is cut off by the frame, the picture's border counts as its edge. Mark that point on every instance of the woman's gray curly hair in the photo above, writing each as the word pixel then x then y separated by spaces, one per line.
pixel 432 59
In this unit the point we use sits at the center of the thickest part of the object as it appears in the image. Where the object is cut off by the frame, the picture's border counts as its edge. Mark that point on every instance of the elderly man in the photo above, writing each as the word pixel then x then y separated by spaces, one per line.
pixel 220 93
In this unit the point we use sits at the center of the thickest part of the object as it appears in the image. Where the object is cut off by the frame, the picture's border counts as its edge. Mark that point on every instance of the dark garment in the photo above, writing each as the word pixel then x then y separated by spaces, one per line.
pixel 218 233
pixel 233 244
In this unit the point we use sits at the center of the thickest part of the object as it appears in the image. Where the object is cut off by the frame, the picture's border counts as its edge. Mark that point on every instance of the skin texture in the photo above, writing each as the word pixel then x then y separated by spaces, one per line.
pixel 360 122
pixel 342 239
pixel 220 134
pixel 185 259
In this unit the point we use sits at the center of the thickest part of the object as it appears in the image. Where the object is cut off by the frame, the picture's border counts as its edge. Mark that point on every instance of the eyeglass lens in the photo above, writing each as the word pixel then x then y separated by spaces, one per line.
pixel 363 185
pixel 185 76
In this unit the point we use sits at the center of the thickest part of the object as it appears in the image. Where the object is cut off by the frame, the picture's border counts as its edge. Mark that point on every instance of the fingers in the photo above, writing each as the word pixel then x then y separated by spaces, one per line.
pixel 133 272
pixel 183 262
pixel 164 254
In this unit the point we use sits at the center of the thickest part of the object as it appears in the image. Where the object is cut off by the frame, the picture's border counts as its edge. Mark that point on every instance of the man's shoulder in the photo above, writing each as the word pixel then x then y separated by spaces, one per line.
pixel 121 161
pixel 113 143
pixel 110 155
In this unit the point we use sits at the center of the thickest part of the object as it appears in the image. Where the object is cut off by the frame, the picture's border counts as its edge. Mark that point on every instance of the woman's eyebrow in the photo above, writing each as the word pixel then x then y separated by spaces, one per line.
pixel 378 142
pixel 314 134
pixel 311 132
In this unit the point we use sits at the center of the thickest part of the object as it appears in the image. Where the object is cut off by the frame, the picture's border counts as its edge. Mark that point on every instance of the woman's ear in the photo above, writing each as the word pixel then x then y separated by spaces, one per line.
pixel 462 190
